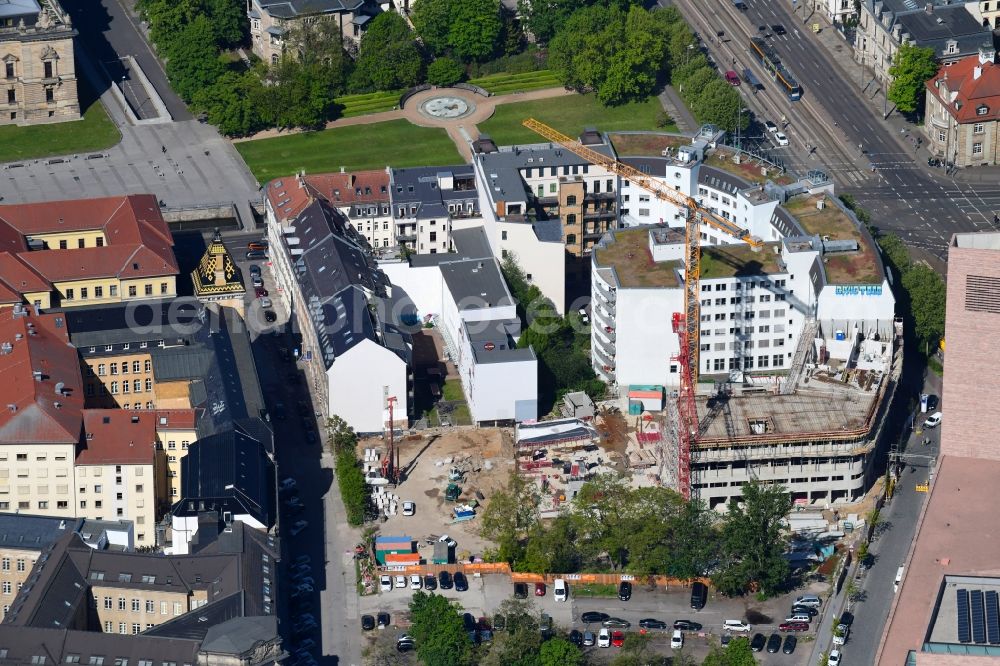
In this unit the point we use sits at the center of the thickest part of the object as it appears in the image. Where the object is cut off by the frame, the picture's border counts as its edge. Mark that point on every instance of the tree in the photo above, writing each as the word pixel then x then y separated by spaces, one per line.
pixel 231 103
pixel 229 19
pixel 193 59
pixel 438 630
pixel 510 515
pixel 475 27
pixel 388 58
pixel 445 71
pixel 717 103
pixel 519 645
pixel 432 20
pixel 753 541
pixel 560 652
pixel 927 292
pixel 552 547
pixel 911 68
pixel 544 18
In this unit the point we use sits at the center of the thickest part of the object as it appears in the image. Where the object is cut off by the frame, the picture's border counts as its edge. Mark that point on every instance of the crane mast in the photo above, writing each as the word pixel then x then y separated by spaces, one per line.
pixel 686 325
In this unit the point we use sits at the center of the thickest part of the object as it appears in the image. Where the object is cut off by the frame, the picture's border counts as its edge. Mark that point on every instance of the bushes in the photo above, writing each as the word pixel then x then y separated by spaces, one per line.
pixel 444 72
pixel 350 478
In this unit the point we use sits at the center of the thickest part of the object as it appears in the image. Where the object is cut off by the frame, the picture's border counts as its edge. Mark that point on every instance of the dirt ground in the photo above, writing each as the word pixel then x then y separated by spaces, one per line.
pixel 427 460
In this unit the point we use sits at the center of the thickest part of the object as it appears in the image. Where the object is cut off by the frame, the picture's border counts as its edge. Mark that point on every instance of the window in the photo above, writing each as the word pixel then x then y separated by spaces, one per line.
pixel 163 287
pixel 163 608
pixel 114 388
pixel 70 294
pixel 136 628
pixel 177 608
pixel 147 365
pixel 122 627
pixel 571 219
pixel 149 290
pixel 6 564
pixel 135 367
pixel 978 128
pixel 150 606
pixel 977 148
pixel 108 603
pixel 125 387
pixel 132 290
pixel 982 110
pixel 114 367
pixel 571 200
pixel 136 605
pixel 10 70
pixel 72 659
pixel 113 290
pixel 20 564
pixel 137 385
pixel 121 603
pixel 125 368
pixel 6 587
pixel 171 444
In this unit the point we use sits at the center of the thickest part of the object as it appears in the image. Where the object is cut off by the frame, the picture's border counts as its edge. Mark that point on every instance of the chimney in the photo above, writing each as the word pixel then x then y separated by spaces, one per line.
pixel 977 71
pixel 986 54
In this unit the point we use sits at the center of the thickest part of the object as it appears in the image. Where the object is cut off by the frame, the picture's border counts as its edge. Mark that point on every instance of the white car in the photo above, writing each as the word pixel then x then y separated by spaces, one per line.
pixel 385 583
pixel 448 540
pixel 604 637
pixel 677 640
pixel 400 581
pixel 933 421
pixel 298 527
pixel 416 582
pixel 780 139
pixel 834 658
pixel 409 508
pixel 770 126
pixel 737 626
pixel 560 591
pixel 843 631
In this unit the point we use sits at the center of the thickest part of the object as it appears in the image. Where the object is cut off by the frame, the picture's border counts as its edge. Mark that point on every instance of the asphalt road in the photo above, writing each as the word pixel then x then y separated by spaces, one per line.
pixel 922 205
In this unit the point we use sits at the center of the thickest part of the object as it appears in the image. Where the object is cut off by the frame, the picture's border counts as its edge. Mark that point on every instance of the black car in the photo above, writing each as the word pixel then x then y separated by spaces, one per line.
pixel 773 643
pixel 405 643
pixel 468 621
pixel 430 582
pixel 812 612
pixel 789 646
pixel 576 638
pixel 270 317
pixel 461 584
pixel 593 616
pixel 383 619
pixel 444 580
pixel 520 590
pixel 687 625
pixel 757 642
pixel 367 622
pixel 616 623
pixel 624 590
pixel 699 595
pixel 847 618
pixel 650 623
pixel 778 29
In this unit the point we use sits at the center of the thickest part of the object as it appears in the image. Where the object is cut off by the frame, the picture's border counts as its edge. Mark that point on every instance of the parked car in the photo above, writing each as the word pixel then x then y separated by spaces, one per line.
pixel 778 29
pixel 367 622
pixel 416 582
pixel 409 508
pixel 677 639
pixel 560 591
pixel 430 582
pixel 257 245
pixel 834 658
pixel 687 625
pixel 624 590
pixel 770 126
pixel 617 622
pixel 270 317
pixel 788 647
pixel 499 622
pixel 539 589
pixel 732 78
pixel 260 292
pixel 651 623
pixel 808 600
pixel 576 638
pixel 780 138
pixel 256 281
pixel 799 617
pixel 400 581
pixel 468 621
pixel 809 610
pixel 933 421
pixel 842 634
pixel 699 596
pixel 520 590
pixel 604 638
pixel 444 580
pixel 545 625
pixel 757 642
pixel 589 639
pixel 254 269
pixel 382 620
pixel 288 483
pixel 738 626
pixel 773 643
pixel 266 302
pixel 405 643
pixel 617 638
pixel 793 626
pixel 256 254
pixel 593 616
pixel 461 583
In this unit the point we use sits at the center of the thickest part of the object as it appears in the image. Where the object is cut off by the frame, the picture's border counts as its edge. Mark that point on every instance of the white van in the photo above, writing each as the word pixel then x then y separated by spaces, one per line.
pixel 808 600
pixel 559 590
pixel 898 581
pixel 737 625
pixel 799 617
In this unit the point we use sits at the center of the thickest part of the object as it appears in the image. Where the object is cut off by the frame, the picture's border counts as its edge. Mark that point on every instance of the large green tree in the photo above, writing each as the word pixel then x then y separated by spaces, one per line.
pixel 437 627
pixel 510 516
pixel 544 18
pixel 911 67
pixel 470 29
pixel 753 541
pixel 231 103
pixel 193 58
pixel 737 653
pixel 560 652
pixel 388 58
pixel 926 290
pixel 519 644
pixel 229 19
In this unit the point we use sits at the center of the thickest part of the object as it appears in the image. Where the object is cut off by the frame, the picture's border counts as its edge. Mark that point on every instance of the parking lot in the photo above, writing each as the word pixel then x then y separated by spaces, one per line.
pixel 486 592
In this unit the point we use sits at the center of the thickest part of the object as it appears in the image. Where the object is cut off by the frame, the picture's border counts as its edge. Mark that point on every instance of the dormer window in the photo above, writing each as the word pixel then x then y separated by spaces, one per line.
pixel 982 110
pixel 952 47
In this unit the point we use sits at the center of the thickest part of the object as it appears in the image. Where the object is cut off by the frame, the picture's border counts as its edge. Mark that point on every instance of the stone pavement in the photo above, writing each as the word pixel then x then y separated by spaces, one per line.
pixel 678 111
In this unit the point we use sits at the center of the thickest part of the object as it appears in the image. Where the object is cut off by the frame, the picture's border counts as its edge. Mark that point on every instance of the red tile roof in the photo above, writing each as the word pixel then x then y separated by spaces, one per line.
pixel 137 239
pixel 971 92
pixel 31 411
pixel 176 419
pixel 350 188
pixel 117 437
pixel 288 197
pixel 19 276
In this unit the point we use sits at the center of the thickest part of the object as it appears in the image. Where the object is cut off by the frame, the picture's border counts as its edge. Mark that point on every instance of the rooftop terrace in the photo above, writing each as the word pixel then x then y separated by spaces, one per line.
pixel 737 260
pixel 629 255
pixel 747 169
pixel 861 267
pixel 639 145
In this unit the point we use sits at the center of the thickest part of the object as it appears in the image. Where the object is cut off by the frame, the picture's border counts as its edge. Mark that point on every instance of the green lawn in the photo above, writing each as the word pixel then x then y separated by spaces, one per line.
pixel 395 143
pixel 359 105
pixel 95 132
pixel 569 115
pixel 452 390
pixel 500 84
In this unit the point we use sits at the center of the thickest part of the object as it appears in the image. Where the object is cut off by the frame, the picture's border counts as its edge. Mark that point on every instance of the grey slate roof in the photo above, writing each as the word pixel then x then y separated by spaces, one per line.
pixel 419 186
pixel 471 243
pixel 34 532
pixel 948 20
pixel 288 9
pixel 492 341
pixel 228 471
pixel 549 231
pixel 239 635
pixel 502 169
pixel 476 283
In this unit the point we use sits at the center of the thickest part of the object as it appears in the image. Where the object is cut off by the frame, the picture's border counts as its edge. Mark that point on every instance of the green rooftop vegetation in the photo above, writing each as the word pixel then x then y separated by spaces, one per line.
pixel 747 169
pixel 646 143
pixel 633 264
pixel 860 267
pixel 737 260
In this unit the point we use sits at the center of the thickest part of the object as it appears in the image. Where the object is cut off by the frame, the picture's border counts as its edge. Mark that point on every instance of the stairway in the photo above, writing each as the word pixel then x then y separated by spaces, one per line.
pixel 802 353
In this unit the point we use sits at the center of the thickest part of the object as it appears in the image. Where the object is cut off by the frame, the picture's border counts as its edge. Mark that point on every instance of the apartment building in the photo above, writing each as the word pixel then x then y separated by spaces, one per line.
pixel 363 198
pixel 36 46
pixel 120 470
pixel 273 21
pixel 23 538
pixel 948 28
pixel 214 606
pixel 837 11
pixel 986 12
pixel 465 295
pixel 85 252
pixel 429 202
pixel 176 429
pixel 962 111
pixel 356 354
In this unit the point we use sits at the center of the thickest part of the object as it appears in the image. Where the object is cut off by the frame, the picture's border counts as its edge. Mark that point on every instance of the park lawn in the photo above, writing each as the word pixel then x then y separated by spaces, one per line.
pixel 570 115
pixel 395 143
pixel 93 133
pixel 502 84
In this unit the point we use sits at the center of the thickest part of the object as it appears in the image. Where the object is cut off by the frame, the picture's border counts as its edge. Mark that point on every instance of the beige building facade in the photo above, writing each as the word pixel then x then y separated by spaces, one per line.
pixel 39 68
pixel 962 112
pixel 272 21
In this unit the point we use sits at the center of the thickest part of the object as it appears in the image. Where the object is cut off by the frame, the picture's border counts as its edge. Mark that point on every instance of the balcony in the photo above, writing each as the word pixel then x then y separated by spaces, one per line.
pixel 606 346
pixel 602 358
pixel 607 375
pixel 608 295
pixel 601 196
pixel 406 237
pixel 601 214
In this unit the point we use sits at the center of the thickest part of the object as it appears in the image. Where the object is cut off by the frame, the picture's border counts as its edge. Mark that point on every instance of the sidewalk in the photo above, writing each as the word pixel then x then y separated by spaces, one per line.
pixel 678 111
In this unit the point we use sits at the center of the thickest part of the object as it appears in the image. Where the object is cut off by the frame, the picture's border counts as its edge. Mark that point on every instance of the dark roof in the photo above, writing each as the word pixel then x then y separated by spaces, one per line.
pixel 492 342
pixel 549 231
pixel 476 283
pixel 422 186
pixel 946 21
pixel 34 532
pixel 471 243
pixel 228 471
pixel 148 321
pixel 196 624
pixel 288 9
pixel 502 169
pixel 721 180
pixel 348 321
pixel 239 635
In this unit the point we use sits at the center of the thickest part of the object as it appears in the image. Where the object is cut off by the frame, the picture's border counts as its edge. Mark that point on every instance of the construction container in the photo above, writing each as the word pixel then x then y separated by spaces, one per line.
pixel 407 559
